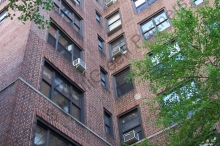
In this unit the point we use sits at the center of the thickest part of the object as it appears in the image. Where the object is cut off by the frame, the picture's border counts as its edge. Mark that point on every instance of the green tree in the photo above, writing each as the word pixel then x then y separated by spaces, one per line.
pixel 183 70
pixel 30 10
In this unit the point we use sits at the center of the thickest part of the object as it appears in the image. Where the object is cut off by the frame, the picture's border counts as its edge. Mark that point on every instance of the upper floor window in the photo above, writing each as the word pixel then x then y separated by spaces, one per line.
pixel 2 16
pixel 142 4
pixel 101 44
pixel 129 122
pixel 62 92
pixel 47 136
pixel 121 85
pixel 63 44
pixel 114 21
pixel 173 49
pixel 197 2
pixel 69 15
pixel 108 122
pixel 78 2
pixel 104 80
pixel 178 97
pixel 118 45
pixel 98 18
pixel 158 22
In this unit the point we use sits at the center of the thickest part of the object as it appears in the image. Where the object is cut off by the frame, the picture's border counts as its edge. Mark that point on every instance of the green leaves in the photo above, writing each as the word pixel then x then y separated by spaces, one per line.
pixel 196 31
pixel 31 11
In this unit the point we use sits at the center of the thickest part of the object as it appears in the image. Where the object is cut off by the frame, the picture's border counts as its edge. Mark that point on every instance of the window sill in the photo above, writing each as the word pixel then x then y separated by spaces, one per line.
pixel 114 30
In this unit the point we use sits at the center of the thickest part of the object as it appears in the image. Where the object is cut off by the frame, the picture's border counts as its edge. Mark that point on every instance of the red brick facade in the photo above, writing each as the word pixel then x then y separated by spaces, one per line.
pixel 24 49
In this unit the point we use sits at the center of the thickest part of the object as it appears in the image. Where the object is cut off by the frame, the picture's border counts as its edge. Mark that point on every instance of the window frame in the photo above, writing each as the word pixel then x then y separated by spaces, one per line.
pixel 146 3
pixel 106 112
pixel 107 22
pixel 102 43
pixel 155 25
pixel 75 15
pixel 99 16
pixel 115 84
pixel 71 87
pixel 3 13
pixel 50 129
pixel 60 32
pixel 102 71
pixel 168 93
pixel 194 3
pixel 119 42
pixel 127 113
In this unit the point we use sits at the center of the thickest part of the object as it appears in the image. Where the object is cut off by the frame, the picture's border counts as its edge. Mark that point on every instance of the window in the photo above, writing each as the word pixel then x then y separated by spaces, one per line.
pixel 63 45
pixel 173 49
pixel 103 75
pixel 114 21
pixel 118 43
pixel 61 92
pixel 159 22
pixel 48 136
pixel 131 121
pixel 78 2
pixel 100 44
pixel 98 18
pixel 67 13
pixel 108 122
pixel 142 4
pixel 179 97
pixel 197 2
pixel 2 16
pixel 121 85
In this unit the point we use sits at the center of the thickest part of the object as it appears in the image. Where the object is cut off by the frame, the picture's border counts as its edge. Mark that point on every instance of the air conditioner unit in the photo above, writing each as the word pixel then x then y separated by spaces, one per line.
pixel 130 137
pixel 80 65
pixel 109 2
pixel 117 52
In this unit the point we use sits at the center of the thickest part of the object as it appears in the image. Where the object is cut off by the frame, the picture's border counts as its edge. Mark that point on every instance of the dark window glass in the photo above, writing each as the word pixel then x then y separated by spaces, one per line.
pixel 61 101
pixel 76 53
pixel 61 92
pixel 130 121
pixel 45 89
pixel 100 44
pixel 75 111
pixel 40 136
pixel 118 43
pixel 103 75
pixel 108 123
pixel 45 136
pixel 159 22
pixel 67 13
pixel 123 86
pixel 98 17
pixel 63 45
pixel 56 140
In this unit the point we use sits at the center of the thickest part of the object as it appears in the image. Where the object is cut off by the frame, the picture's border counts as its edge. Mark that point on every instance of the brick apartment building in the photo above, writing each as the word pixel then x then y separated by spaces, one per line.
pixel 65 85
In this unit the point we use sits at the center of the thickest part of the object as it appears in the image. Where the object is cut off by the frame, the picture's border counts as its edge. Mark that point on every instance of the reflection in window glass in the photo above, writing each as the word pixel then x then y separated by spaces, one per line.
pixel 61 101
pixel 45 89
pixel 159 22
pixel 40 137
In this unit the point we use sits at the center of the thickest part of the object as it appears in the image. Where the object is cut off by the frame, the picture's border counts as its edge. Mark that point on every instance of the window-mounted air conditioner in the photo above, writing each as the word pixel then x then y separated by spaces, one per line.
pixel 117 52
pixel 130 137
pixel 80 65
pixel 109 2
